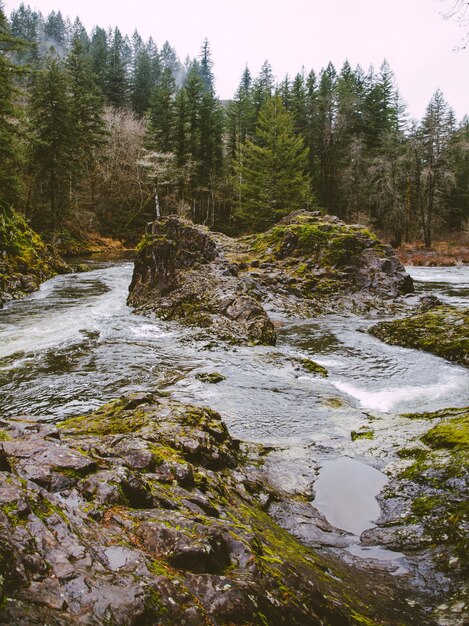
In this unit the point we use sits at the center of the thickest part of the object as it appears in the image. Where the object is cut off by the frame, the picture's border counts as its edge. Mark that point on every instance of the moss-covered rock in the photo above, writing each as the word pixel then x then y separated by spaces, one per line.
pixel 308 263
pixel 25 260
pixel 442 330
pixel 210 377
pixel 148 512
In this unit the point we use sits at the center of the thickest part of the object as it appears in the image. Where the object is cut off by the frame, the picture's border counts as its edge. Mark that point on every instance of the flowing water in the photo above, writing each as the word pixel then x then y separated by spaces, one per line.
pixel 75 344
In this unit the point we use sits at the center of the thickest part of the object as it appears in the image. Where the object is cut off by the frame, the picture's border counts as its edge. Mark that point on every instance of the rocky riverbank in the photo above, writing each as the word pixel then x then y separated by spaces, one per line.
pixel 425 510
pixel 148 512
pixel 309 263
pixel 25 260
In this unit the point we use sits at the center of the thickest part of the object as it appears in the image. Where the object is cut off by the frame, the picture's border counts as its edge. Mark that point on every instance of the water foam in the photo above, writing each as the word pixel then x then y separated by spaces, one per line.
pixel 387 399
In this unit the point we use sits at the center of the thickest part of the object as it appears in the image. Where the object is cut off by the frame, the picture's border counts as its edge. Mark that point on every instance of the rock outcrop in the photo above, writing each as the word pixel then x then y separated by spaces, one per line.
pixel 309 263
pixel 148 512
pixel 436 328
pixel 25 261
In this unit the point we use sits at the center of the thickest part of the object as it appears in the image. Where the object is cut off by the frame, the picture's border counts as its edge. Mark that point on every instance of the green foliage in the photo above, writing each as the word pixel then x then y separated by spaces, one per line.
pixel 270 176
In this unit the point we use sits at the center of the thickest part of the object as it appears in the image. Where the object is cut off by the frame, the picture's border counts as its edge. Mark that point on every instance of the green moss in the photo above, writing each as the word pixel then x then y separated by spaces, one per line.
pixel 436 482
pixel 441 331
pixel 447 413
pixel 4 436
pixel 161 454
pixel 362 434
pixel 313 368
pixel 111 419
pixel 452 434
pixel 212 377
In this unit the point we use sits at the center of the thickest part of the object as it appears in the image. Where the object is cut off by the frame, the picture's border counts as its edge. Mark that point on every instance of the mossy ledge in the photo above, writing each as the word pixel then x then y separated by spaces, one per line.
pixel 308 263
pixel 25 260
pixel 426 509
pixel 443 331
pixel 148 512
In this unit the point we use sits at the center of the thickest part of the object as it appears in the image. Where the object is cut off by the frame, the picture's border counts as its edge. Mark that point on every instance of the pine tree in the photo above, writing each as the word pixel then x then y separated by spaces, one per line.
pixel 142 82
pixel 241 115
pixel 8 115
pixel 162 122
pixel 271 177
pixel 25 24
pixel 116 76
pixel 50 128
pixel 87 129
pixel 99 55
pixel 263 86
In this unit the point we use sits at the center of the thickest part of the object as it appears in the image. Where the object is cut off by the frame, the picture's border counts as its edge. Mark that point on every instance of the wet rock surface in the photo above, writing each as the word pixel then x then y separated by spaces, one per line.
pixel 148 512
pixel 309 263
pixel 441 330
pixel 424 511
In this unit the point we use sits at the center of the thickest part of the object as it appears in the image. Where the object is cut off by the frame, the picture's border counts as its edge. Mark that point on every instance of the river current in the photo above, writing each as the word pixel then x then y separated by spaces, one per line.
pixel 75 344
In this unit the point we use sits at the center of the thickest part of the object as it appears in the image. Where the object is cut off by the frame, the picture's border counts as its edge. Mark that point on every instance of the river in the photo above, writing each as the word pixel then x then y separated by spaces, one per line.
pixel 75 344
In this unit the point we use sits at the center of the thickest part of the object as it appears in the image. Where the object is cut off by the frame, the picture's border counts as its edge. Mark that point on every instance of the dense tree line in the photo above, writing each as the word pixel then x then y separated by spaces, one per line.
pixel 101 132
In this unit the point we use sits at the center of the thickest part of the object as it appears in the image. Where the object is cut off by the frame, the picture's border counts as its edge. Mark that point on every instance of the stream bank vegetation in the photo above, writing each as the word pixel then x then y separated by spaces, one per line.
pixel 100 132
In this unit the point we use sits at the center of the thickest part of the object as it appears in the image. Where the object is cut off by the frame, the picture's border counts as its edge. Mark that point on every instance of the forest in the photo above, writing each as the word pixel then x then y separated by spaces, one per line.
pixel 101 132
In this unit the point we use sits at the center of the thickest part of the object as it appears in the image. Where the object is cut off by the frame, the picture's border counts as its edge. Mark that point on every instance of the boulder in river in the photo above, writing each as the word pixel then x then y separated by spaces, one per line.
pixel 308 263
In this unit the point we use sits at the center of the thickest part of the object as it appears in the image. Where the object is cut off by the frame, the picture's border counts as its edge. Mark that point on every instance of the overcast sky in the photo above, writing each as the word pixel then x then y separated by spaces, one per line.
pixel 411 34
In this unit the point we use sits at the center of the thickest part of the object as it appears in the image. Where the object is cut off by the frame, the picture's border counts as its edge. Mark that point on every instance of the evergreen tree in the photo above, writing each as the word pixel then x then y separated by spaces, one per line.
pixel 116 76
pixel 8 114
pixel 55 32
pixel 241 115
pixel 437 176
pixel 271 177
pixel 263 86
pixel 161 134
pixel 99 55
pixel 142 82
pixel 50 128
pixel 25 25
pixel 87 129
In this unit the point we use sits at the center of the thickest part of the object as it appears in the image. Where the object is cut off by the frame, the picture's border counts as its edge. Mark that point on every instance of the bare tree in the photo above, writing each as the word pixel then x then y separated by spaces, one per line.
pixel 459 11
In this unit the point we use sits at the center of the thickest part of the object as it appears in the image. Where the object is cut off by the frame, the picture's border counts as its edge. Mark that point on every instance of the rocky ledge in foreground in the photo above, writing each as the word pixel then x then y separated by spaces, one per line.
pixel 425 510
pixel 147 512
pixel 308 263
pixel 441 330
pixel 25 260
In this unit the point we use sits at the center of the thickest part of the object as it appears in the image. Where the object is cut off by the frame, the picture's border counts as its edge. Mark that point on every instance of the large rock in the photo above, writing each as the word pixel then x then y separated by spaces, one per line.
pixel 182 272
pixel 148 512
pixel 308 263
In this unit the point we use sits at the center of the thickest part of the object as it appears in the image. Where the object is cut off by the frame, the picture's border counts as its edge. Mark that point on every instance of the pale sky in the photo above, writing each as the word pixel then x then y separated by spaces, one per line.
pixel 411 34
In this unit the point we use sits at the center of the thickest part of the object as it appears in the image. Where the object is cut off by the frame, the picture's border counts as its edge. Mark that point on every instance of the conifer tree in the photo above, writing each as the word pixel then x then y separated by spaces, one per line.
pixel 87 130
pixel 8 114
pixel 241 115
pixel 52 143
pixel 270 176
pixel 116 76
pixel 161 133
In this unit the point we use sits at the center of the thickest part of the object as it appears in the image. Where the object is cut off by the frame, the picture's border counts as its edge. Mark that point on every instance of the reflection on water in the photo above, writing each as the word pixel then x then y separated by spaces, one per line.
pixel 346 493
